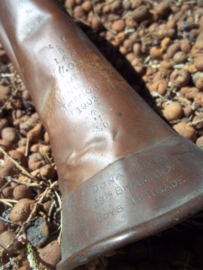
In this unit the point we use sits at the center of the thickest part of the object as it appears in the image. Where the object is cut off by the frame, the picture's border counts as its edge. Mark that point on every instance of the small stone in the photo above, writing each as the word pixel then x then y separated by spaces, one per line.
pixel 2 227
pixel 87 6
pixel 35 134
pixel 35 161
pixel 78 12
pixel 4 94
pixel 173 111
pixel 3 124
pixel 118 26
pixel 199 84
pixel 21 210
pixel 188 111
pixel 7 192
pixel 199 142
pixel 180 57
pixel 50 254
pixel 186 131
pixel 22 191
pixel 47 172
pixel 10 134
pixel 6 239
pixel 180 78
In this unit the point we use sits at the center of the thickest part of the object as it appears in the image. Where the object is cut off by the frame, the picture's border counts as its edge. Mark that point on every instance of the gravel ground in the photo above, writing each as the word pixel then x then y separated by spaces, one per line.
pixel 158 48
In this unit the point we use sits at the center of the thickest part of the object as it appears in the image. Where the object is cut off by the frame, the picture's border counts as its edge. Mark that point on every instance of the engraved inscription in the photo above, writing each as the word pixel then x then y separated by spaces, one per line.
pixel 111 213
pixel 138 198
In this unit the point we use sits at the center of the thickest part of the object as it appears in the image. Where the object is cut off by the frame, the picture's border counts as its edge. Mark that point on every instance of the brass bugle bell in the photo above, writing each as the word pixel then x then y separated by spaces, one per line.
pixel 123 172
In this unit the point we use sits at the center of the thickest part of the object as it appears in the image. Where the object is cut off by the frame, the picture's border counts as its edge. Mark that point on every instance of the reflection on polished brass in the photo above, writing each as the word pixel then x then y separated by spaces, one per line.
pixel 124 174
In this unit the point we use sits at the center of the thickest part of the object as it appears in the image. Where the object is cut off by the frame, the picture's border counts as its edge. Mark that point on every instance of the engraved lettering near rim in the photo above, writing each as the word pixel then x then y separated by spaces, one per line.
pixel 158 169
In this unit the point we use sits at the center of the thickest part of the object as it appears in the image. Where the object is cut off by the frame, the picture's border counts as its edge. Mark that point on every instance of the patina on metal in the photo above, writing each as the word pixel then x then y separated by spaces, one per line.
pixel 124 173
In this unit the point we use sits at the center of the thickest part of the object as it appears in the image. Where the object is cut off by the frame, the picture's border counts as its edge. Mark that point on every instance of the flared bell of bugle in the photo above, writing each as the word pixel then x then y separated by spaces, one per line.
pixel 123 172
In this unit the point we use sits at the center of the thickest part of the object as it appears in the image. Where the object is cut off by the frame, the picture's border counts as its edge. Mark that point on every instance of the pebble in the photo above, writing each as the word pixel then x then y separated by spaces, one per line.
pixel 10 134
pixel 186 131
pixel 6 238
pixel 173 111
pixel 22 191
pixel 50 255
pixel 21 210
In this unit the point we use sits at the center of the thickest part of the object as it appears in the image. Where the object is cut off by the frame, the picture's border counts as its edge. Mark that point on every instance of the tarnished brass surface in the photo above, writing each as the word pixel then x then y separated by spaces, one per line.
pixel 124 174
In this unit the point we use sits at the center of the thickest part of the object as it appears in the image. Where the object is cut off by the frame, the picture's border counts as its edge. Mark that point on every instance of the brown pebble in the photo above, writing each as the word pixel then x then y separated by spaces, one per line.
pixel 21 149
pixel 130 22
pixel 186 131
pixel 189 92
pixel 173 111
pixel 22 191
pixel 78 12
pixel 130 56
pixel 162 9
pixel 123 50
pixel 4 94
pixel 118 26
pixel 116 7
pixel 198 99
pixel 87 6
pixel 26 95
pixel 6 145
pixel 6 239
pixel 47 172
pixel 96 24
pixel 69 4
pixel 159 86
pixel 180 57
pixel 126 5
pixel 171 24
pixel 172 49
pixel 175 8
pixel 140 13
pixel 199 63
pixel 2 227
pixel 3 124
pixel 180 78
pixel 28 124
pixel 2 182
pixel 156 53
pixel 16 114
pixel 10 134
pixel 190 68
pixel 46 137
pixel 199 84
pixel 136 3
pixel 35 161
pixel 47 205
pixel 166 67
pixel 137 49
pixel 7 193
pixel 35 134
pixel 106 9
pixel 19 157
pixel 138 66
pixel 50 254
pixel 128 44
pixel 188 111
pixel 185 45
pixel 165 43
pixel 199 142
pixel 22 142
pixel 21 210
